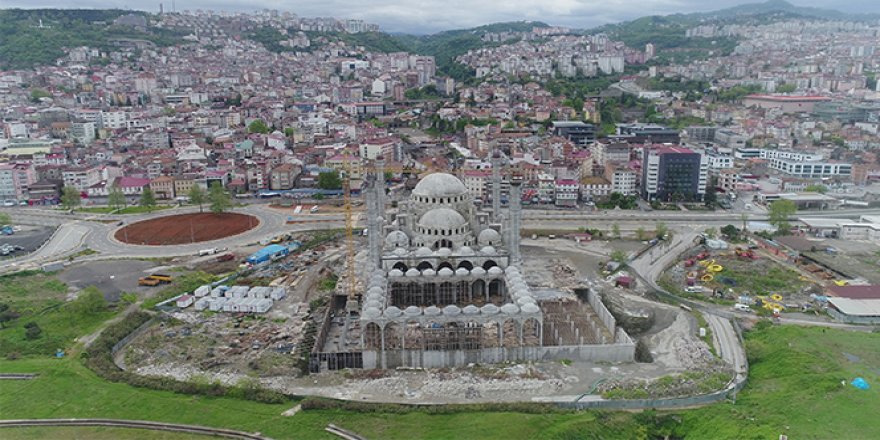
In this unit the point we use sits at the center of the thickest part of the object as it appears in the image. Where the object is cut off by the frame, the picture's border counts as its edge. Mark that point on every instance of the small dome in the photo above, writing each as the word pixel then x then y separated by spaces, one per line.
pixel 462 272
pixel 445 272
pixel 451 310
pixel 424 252
pixel 488 237
pixel 530 308
pixel 442 218
pixel 412 311
pixel 432 311
pixel 377 279
pixel 375 290
pixel 429 272
pixel 396 239
pixel 395 273
pixel 393 312
pixel 523 300
pixel 439 185
pixel 413 272
pixel 372 312
pixel 400 252
pixel 478 271
pixel 372 304
pixel 507 309
pixel 466 251
pixel 489 309
pixel 495 270
pixel 488 250
pixel 444 252
pixel 471 310
pixel 512 270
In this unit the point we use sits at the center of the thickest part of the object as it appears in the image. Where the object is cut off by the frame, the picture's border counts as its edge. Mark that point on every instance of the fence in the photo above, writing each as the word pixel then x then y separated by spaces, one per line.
pixel 128 338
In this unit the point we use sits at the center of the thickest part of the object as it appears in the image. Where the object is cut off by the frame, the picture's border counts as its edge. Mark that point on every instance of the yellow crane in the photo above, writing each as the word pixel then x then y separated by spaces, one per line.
pixel 351 285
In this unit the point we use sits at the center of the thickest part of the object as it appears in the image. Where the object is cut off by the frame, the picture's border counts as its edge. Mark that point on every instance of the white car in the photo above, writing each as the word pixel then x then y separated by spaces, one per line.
pixel 10 203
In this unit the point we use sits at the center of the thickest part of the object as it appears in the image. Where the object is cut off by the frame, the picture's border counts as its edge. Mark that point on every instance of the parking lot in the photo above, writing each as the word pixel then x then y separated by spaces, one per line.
pixel 30 238
pixel 110 277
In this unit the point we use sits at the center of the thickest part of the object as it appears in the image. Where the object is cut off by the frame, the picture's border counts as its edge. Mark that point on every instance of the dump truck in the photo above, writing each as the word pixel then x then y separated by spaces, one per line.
pixel 154 279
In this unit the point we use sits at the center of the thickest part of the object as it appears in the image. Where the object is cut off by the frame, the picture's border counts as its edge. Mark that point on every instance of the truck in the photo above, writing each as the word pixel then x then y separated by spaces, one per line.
pixel 154 279
pixel 271 252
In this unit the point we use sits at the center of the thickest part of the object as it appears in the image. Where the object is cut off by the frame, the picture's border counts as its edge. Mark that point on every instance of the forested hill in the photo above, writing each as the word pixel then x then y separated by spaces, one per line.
pixel 24 43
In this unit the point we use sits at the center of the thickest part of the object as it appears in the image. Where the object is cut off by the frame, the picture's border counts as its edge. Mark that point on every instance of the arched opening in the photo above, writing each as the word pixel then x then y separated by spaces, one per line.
pixel 463 292
pixel 510 334
pixel 435 336
pixel 392 337
pixel 424 265
pixel 446 295
pixel 478 293
pixel 444 243
pixel 473 336
pixel 398 293
pixel 400 266
pixel 413 336
pixel 489 264
pixel 531 333
pixel 489 337
pixel 413 295
pixel 445 264
pixel 466 264
pixel 454 336
pixel 372 337
pixel 429 294
pixel 496 292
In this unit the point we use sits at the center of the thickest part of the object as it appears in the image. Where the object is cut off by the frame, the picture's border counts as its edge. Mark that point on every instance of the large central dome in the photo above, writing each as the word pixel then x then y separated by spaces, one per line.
pixel 439 185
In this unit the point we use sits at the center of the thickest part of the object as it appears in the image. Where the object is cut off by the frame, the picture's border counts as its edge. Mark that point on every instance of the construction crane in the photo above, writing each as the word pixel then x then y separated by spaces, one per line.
pixel 351 284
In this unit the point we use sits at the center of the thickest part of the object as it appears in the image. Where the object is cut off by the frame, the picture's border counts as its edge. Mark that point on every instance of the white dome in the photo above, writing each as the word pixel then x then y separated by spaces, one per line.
pixel 462 272
pixel 478 271
pixel 375 290
pixel 522 301
pixel 439 185
pixel 413 272
pixel 466 251
pixel 507 309
pixel 412 311
pixel 471 310
pixel 451 310
pixel 488 236
pixel 429 272
pixel 444 252
pixel 400 252
pixel 372 304
pixel 489 309
pixel 396 239
pixel 495 270
pixel 512 270
pixel 530 308
pixel 371 312
pixel 445 272
pixel 488 250
pixel 395 273
pixel 424 252
pixel 432 311
pixel 393 312
pixel 442 218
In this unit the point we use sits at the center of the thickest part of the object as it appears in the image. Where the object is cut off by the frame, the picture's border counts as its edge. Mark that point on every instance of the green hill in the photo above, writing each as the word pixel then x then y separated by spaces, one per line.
pixel 24 44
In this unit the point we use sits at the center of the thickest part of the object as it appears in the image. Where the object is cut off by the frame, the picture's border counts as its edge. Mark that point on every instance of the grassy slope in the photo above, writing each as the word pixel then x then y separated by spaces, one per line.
pixel 94 433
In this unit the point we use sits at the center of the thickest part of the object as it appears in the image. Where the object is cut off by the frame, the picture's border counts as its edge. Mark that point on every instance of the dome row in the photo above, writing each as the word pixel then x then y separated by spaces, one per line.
pixel 373 312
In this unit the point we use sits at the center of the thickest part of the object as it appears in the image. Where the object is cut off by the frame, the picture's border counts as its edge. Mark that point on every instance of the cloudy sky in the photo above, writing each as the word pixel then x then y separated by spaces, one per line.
pixel 428 16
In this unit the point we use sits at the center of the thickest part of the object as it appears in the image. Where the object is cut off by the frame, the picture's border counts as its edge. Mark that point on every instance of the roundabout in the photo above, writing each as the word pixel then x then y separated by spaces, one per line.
pixel 186 228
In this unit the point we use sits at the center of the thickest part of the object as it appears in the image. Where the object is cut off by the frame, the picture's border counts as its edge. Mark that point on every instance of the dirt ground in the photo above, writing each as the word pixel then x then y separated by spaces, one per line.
pixel 112 278
pixel 186 228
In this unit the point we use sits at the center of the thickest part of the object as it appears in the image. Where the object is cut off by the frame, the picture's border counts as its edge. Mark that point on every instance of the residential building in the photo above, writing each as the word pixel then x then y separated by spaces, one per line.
pixel 16 180
pixel 623 179
pixel 283 176
pixel 163 187
pixel 566 192
pixel 580 133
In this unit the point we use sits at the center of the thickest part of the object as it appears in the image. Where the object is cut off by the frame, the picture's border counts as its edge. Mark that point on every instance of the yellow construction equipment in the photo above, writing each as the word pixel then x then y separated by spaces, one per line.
pixel 715 268
pixel 707 278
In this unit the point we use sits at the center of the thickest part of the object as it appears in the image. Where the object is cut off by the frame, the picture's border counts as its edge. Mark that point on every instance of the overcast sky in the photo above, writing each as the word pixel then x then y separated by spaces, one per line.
pixel 428 16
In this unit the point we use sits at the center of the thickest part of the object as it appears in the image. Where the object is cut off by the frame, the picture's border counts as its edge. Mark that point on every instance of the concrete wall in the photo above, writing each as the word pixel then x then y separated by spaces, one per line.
pixel 601 311
pixel 618 352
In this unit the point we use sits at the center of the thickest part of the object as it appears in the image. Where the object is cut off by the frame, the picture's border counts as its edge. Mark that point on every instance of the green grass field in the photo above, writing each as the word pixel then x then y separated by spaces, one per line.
pixel 794 388
pixel 93 433
pixel 41 299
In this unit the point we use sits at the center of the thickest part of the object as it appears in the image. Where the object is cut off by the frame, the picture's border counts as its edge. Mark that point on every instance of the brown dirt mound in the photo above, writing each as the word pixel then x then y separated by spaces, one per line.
pixel 186 228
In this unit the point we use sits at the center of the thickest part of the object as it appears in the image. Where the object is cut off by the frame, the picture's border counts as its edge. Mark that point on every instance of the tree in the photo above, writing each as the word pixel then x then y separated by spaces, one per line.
pixel 819 188
pixel 258 126
pixel 618 256
pixel 197 196
pixel 219 199
pixel 786 88
pixel 70 197
pixel 7 314
pixel 148 199
pixel 329 180
pixel 32 330
pixel 780 211
pixel 615 230
pixel 116 198
pixel 640 233
pixel 288 132
pixel 730 232
pixel 711 232
pixel 5 219
pixel 660 229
